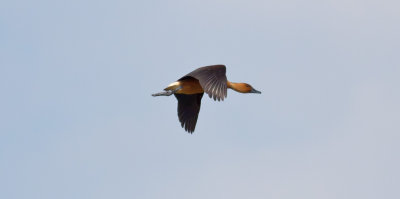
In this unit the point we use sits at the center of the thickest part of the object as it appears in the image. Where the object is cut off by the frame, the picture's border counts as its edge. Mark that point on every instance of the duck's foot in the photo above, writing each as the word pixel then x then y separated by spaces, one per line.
pixel 165 93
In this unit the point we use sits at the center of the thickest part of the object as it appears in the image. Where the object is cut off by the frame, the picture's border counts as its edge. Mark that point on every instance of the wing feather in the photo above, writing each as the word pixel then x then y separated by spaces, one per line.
pixel 212 79
pixel 188 110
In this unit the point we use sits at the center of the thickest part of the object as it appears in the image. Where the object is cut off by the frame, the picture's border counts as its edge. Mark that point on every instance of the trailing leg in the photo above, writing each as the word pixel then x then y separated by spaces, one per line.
pixel 166 93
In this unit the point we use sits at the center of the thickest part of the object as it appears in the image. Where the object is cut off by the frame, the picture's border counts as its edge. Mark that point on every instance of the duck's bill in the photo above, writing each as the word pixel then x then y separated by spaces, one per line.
pixel 255 91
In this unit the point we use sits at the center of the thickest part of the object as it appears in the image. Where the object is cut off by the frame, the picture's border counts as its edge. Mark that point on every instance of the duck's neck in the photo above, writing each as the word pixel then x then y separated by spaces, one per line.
pixel 238 87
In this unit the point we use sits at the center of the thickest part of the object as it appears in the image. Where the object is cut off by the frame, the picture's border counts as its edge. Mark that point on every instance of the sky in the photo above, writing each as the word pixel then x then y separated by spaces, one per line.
pixel 78 119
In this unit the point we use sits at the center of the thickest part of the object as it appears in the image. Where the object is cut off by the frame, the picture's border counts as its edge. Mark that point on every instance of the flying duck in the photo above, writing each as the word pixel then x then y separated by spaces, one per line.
pixel 189 90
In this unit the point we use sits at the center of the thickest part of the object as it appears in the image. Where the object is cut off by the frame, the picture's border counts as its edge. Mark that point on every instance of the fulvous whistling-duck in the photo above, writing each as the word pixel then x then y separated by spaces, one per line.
pixel 190 89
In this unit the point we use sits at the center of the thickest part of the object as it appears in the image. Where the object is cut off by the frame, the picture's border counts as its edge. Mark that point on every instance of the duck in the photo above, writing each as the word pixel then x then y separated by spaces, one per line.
pixel 190 88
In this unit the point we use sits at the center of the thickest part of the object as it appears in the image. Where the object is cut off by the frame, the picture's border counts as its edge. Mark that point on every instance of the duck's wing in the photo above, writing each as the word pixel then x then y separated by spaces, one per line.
pixel 188 110
pixel 212 79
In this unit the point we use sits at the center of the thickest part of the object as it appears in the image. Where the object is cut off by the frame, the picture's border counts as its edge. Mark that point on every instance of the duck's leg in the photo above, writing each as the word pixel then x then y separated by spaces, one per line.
pixel 166 93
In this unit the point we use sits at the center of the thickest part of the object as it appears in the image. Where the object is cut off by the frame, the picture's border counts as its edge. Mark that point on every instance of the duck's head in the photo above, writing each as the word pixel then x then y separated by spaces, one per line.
pixel 245 88
pixel 251 89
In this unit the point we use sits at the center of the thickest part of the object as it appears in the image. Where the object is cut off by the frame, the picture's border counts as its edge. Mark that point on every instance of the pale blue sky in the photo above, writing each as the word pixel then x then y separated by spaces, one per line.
pixel 78 121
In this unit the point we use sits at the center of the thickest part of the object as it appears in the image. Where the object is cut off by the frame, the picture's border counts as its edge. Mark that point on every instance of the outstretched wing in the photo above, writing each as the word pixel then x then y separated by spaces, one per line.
pixel 212 79
pixel 188 110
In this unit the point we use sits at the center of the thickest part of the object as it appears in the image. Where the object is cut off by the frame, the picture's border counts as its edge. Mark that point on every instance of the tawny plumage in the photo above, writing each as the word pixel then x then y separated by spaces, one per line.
pixel 189 90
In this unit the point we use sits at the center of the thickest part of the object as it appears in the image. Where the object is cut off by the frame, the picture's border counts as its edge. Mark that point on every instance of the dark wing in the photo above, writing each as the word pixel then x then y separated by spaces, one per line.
pixel 188 110
pixel 212 79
